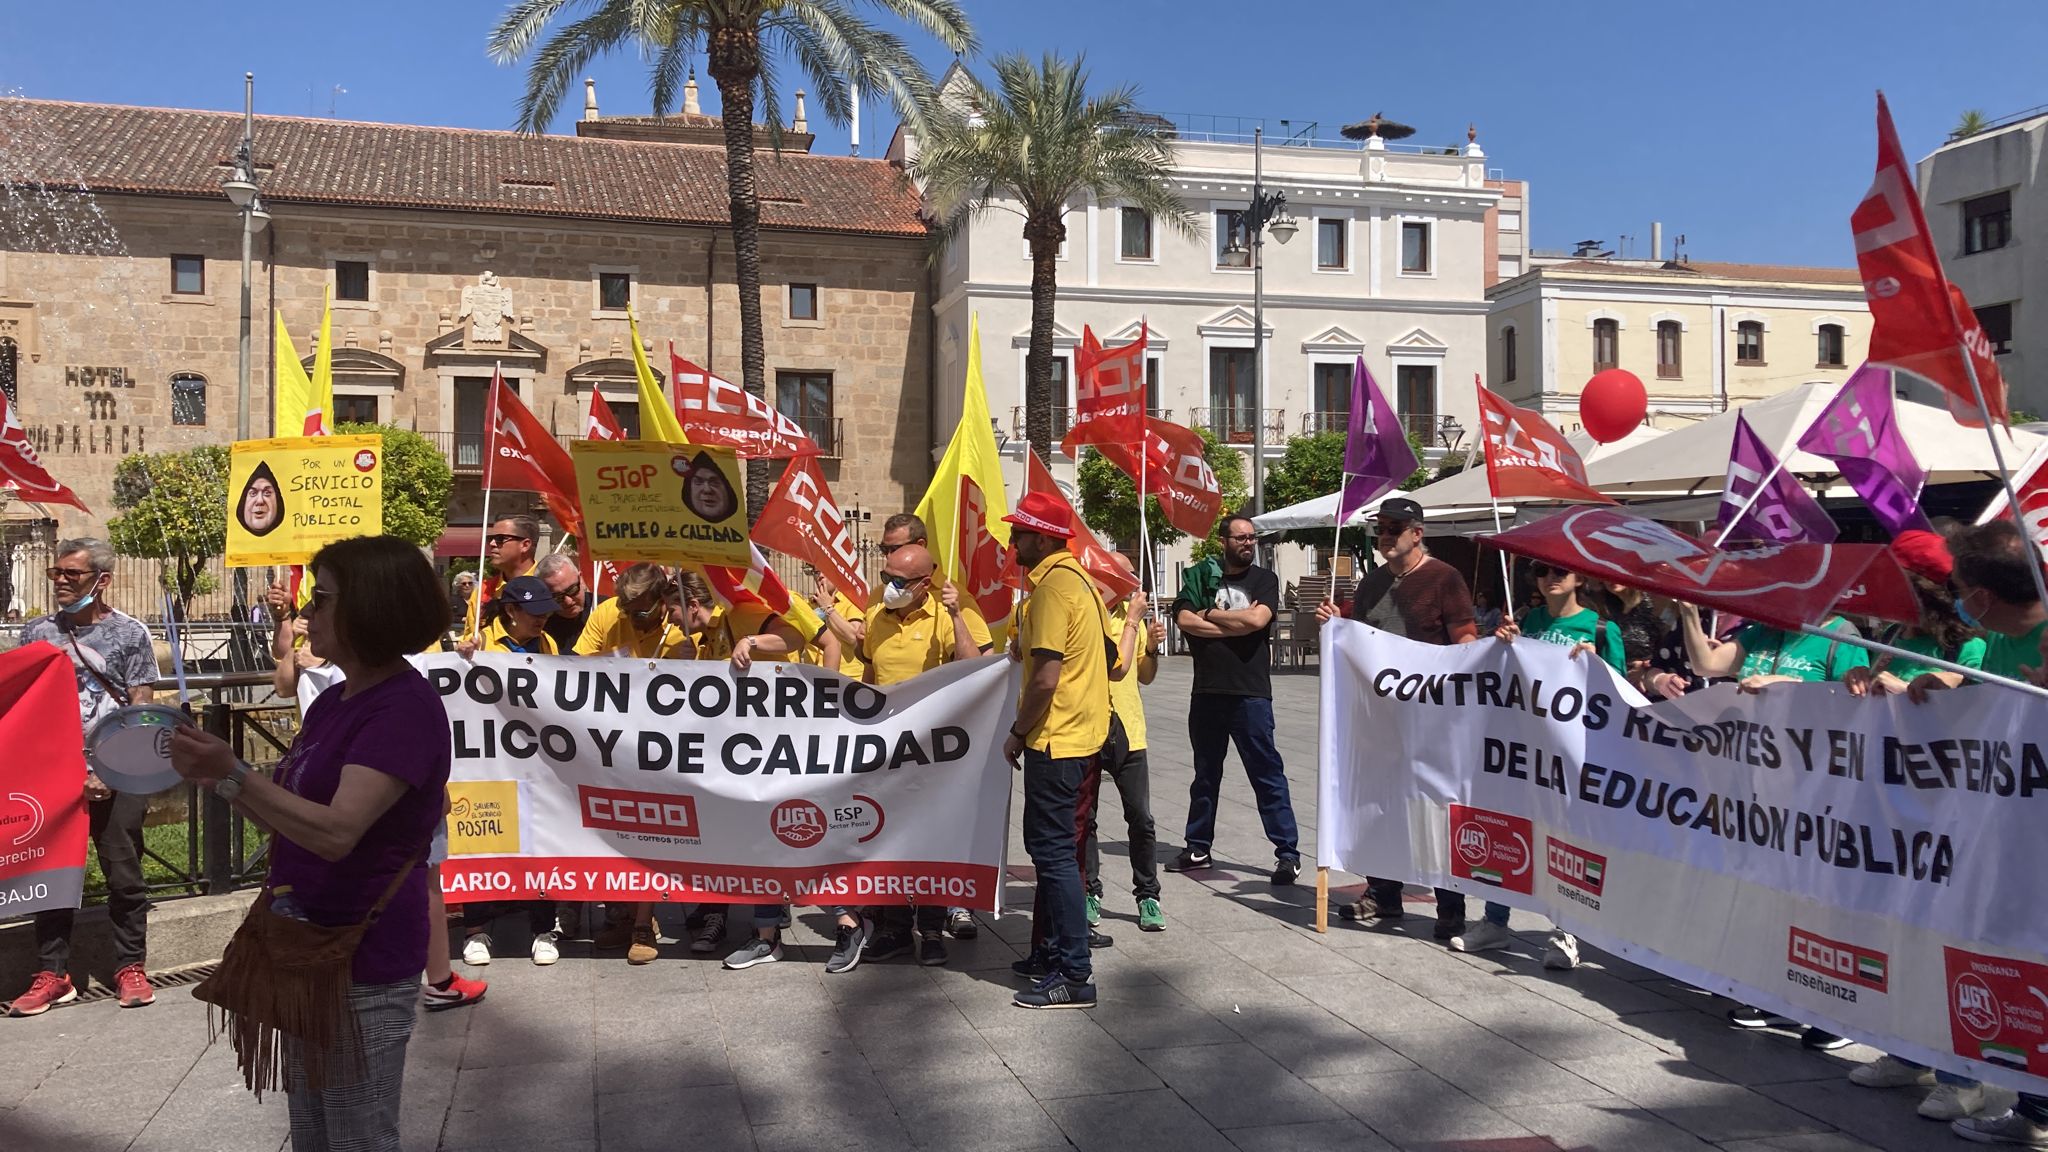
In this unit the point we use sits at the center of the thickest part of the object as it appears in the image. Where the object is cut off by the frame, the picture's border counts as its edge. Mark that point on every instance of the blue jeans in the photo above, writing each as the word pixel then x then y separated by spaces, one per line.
pixel 1215 721
pixel 1054 794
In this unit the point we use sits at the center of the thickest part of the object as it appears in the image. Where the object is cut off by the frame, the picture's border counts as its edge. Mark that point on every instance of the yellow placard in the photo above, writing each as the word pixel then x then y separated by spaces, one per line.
pixel 665 503
pixel 483 818
pixel 287 498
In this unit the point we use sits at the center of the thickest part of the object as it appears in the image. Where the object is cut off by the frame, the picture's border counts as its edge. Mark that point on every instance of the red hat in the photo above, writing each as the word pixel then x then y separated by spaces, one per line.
pixel 1923 553
pixel 1043 513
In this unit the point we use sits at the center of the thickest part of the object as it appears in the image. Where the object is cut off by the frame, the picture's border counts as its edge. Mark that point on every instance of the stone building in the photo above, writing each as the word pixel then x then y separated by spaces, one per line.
pixel 451 254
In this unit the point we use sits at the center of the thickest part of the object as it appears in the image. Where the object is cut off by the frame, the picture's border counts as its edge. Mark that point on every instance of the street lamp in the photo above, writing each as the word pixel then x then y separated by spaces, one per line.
pixel 1267 213
pixel 241 190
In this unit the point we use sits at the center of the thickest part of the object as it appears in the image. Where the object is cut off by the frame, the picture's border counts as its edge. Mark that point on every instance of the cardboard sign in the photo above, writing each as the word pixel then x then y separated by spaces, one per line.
pixel 288 498
pixel 664 503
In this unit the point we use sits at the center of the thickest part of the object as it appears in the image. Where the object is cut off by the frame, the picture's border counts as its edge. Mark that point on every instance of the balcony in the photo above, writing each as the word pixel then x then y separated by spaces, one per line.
pixel 1433 431
pixel 827 432
pixel 1236 425
pixel 1062 420
pixel 464 451
pixel 1313 423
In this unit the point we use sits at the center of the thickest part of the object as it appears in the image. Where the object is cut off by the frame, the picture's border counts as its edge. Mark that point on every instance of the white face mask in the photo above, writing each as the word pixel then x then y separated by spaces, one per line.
pixel 896 594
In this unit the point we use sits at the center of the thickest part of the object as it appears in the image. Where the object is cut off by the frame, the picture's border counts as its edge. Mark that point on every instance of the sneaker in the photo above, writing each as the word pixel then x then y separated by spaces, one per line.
pixel 1562 953
pixel 1150 918
pixel 476 950
pixel 2010 1128
pixel 1100 939
pixel 133 984
pixel 645 946
pixel 1056 991
pixel 887 943
pixel 755 951
pixel 44 992
pixel 960 924
pixel 1749 1017
pixel 1821 1041
pixel 1448 928
pixel 1094 909
pixel 1286 871
pixel 1484 936
pixel 1952 1102
pixel 1032 968
pixel 1188 861
pixel 1889 1072
pixel 711 935
pixel 931 951
pixel 849 945
pixel 545 949
pixel 460 991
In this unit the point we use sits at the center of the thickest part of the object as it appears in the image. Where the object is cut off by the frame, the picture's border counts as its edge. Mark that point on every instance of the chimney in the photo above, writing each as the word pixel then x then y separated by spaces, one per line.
pixel 690 107
pixel 799 124
pixel 856 120
pixel 1657 240
pixel 590 99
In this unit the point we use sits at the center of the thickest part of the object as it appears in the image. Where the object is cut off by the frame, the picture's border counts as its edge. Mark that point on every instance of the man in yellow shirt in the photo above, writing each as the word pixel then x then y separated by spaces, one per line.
pixel 1123 755
pixel 1062 722
pixel 833 604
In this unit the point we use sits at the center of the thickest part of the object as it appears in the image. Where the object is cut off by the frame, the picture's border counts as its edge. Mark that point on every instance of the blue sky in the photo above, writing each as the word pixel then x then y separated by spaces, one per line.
pixel 1746 126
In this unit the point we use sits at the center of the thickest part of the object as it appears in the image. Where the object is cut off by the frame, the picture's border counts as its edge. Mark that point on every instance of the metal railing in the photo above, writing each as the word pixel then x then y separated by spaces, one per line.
pixel 464 451
pixel 1235 425
pixel 1062 419
pixel 1202 128
pixel 1315 422
pixel 827 432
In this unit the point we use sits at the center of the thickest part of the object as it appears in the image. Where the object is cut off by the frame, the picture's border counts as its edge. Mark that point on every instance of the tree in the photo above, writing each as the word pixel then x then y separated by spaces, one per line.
pixel 1109 498
pixel 416 483
pixel 1969 123
pixel 175 510
pixel 1031 145
pixel 1313 466
pixel 838 51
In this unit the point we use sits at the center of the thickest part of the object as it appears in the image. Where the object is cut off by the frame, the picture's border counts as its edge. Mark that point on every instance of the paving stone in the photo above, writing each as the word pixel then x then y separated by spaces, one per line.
pixel 1236 1086
pixel 1308 1041
pixel 1321 1136
pixel 1550 1029
pixel 1128 1120
pixel 1415 1107
pixel 1883 1118
pixel 1611 1126
pixel 995 1115
pixel 1693 1099
pixel 1282 953
pixel 1078 1062
pixel 1493 1073
pixel 652 1120
pixel 1738 1055
pixel 1813 1142
pixel 660 1064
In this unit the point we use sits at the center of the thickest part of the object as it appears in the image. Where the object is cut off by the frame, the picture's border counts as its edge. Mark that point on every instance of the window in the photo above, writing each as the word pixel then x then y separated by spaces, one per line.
pixel 355 408
pixel 1415 396
pixel 1507 267
pixel 614 291
pixel 803 301
pixel 472 395
pixel 10 363
pixel 1668 361
pixel 188 275
pixel 1996 320
pixel 1987 222
pixel 1062 396
pixel 351 279
pixel 1230 394
pixel 1332 396
pixel 1135 225
pixel 627 413
pixel 1510 222
pixel 1507 355
pixel 1330 252
pixel 1152 385
pixel 1833 352
pixel 188 399
pixel 1749 343
pixel 1233 244
pixel 1606 344
pixel 806 398
pixel 1415 246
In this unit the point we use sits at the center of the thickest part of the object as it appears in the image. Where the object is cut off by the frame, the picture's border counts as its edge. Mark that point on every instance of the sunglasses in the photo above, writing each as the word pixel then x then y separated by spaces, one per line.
pixel 500 539
pixel 576 591
pixel 886 549
pixel 1546 571
pixel 70 573
pixel 1245 539
pixel 320 598
pixel 1395 529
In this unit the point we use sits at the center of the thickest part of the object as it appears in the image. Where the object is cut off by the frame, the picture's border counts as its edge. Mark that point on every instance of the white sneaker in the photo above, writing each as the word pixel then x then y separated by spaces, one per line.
pixel 477 950
pixel 1562 954
pixel 1887 1072
pixel 1952 1101
pixel 1484 936
pixel 2007 1127
pixel 545 950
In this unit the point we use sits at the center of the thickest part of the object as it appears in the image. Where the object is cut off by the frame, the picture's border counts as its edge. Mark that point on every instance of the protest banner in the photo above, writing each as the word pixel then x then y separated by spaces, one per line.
pixel 42 798
pixel 1860 865
pixel 289 497
pixel 611 779
pixel 664 503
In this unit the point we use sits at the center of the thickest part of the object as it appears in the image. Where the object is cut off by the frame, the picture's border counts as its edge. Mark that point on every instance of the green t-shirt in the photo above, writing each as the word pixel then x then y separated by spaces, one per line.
pixel 1580 627
pixel 2006 655
pixel 1768 651
pixel 1970 655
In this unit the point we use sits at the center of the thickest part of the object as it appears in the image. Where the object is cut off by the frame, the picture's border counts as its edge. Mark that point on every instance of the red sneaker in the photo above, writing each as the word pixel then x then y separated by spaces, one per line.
pixel 48 989
pixel 134 987
pixel 460 991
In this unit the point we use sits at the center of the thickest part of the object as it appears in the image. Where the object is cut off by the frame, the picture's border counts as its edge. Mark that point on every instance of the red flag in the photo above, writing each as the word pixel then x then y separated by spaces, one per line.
pixel 1526 457
pixel 801 519
pixel 1919 321
pixel 986 562
pixel 2031 484
pixel 22 470
pixel 713 410
pixel 1175 470
pixel 755 584
pixel 44 865
pixel 600 424
pixel 1109 400
pixel 522 453
pixel 1100 564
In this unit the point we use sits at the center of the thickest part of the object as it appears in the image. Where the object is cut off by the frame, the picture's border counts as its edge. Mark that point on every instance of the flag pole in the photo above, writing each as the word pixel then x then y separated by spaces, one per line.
pixel 2012 499
pixel 1921 658
pixel 484 537
pixel 1770 478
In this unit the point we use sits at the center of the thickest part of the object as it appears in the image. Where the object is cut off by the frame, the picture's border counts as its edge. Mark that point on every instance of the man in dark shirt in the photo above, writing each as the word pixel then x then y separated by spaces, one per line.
pixel 1231 639
pixel 1418 596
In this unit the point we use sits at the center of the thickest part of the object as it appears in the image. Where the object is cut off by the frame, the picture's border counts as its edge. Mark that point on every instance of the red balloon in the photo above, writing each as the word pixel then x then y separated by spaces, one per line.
pixel 1613 405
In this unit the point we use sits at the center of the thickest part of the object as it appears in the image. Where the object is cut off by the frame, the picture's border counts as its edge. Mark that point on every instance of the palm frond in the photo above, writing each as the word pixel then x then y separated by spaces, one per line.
pixel 558 60
pixel 519 27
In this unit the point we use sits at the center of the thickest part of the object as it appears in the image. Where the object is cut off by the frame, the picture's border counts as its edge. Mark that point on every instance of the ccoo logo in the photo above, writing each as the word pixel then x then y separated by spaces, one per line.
pixel 798 823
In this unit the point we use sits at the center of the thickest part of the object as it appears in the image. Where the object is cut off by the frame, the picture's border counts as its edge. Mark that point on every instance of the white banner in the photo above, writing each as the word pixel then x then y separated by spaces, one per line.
pixel 1869 866
pixel 621 779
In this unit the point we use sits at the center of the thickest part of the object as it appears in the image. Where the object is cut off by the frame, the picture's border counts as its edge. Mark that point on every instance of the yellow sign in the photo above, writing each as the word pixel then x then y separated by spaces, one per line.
pixel 483 818
pixel 288 498
pixel 665 503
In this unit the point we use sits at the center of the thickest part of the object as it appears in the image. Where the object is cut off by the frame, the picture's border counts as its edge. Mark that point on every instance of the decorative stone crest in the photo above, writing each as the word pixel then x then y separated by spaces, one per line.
pixel 487 304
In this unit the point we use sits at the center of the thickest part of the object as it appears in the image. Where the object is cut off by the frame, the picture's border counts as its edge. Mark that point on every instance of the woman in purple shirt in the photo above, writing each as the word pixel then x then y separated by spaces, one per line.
pixel 351 807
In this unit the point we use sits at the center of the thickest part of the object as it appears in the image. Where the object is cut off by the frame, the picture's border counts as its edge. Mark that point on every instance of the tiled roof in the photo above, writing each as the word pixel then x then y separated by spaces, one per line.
pixel 114 148
pixel 1718 271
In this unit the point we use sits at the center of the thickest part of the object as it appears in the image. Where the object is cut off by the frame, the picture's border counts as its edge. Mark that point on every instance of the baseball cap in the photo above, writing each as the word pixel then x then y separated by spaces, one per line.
pixel 529 593
pixel 1399 508
pixel 1044 513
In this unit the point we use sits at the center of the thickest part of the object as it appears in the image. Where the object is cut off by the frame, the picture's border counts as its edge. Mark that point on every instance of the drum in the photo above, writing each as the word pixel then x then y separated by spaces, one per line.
pixel 130 748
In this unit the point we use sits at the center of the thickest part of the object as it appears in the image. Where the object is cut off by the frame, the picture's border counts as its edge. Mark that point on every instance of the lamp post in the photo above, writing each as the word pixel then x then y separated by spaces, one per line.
pixel 241 190
pixel 1267 213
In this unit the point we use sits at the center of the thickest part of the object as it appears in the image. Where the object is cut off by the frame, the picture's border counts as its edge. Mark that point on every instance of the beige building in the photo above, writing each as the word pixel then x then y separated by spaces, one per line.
pixel 451 254
pixel 1703 337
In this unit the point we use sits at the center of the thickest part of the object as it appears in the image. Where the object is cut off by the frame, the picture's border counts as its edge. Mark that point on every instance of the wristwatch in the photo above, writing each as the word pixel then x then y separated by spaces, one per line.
pixel 229 788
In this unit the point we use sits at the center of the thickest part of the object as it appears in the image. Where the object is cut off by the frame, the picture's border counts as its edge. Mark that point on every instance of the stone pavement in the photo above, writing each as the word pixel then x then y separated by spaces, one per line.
pixel 1238 1028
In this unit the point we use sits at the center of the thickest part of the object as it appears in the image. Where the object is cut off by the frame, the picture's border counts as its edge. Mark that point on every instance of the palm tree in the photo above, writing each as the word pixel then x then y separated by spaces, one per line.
pixel 1972 122
pixel 741 40
pixel 1031 145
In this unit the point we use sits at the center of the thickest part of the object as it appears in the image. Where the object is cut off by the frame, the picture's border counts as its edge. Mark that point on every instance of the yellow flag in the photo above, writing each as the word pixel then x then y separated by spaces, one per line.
pixel 657 419
pixel 963 509
pixel 294 390
pixel 320 390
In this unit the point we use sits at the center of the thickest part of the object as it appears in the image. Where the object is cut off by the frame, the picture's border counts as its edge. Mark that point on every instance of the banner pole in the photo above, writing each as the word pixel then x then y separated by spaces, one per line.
pixel 1144 535
pixel 2012 499
pixel 483 552
pixel 1507 584
pixel 1945 665
pixel 1769 479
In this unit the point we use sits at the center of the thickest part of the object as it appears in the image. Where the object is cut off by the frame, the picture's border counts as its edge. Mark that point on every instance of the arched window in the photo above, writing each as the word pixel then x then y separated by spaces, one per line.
pixel 1832 354
pixel 1749 342
pixel 10 360
pixel 188 399
pixel 1669 359
pixel 1507 354
pixel 1606 344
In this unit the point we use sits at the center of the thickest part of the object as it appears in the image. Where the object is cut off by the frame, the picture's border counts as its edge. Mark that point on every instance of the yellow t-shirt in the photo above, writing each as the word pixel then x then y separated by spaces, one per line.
pixel 728 625
pixel 1064 614
pixel 900 645
pixel 850 664
pixel 1124 699
pixel 497 638
pixel 610 632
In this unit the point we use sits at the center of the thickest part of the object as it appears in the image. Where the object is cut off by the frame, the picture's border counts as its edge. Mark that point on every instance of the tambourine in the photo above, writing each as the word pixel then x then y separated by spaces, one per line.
pixel 130 748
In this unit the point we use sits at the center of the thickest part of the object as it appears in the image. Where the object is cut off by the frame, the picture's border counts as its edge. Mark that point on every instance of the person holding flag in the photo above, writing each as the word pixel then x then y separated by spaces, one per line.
pixel 1138 641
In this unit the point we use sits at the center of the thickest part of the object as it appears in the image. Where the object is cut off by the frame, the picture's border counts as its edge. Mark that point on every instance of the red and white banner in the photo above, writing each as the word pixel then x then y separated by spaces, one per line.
pixel 600 424
pixel 1849 863
pixel 1526 457
pixel 613 779
pixel 524 455
pixel 1109 393
pixel 42 782
pixel 1100 563
pixel 713 410
pixel 1176 469
pixel 22 470
pixel 2031 483
pixel 802 520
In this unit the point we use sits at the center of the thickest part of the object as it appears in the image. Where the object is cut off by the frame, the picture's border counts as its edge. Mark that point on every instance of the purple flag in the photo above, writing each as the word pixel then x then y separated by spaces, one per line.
pixel 1784 513
pixel 1859 431
pixel 1377 457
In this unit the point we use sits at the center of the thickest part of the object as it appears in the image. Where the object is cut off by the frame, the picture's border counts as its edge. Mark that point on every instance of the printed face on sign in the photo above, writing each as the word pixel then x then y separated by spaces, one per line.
pixel 705 491
pixel 261 508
